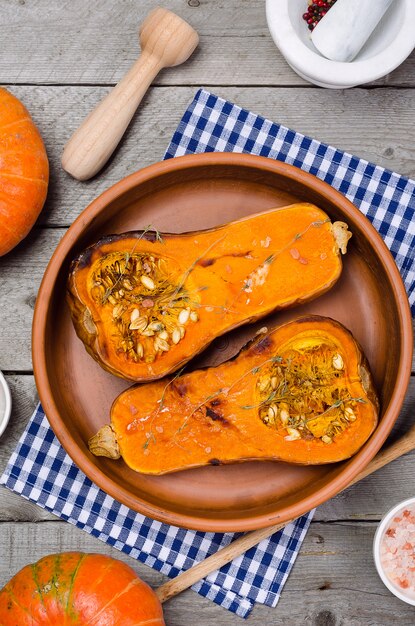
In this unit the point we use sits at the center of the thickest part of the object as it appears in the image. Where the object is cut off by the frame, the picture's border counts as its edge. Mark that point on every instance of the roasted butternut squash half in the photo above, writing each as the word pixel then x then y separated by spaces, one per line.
pixel 301 393
pixel 145 303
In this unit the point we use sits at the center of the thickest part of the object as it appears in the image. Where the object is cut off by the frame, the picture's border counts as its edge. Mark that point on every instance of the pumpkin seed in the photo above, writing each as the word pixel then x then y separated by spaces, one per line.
pixel 147 332
pixel 263 383
pixel 272 412
pixel 350 414
pixel 284 416
pixel 164 335
pixel 176 336
pixel 293 434
pixel 117 310
pixel 326 439
pixel 274 382
pixel 156 326
pixel 337 362
pixel 127 284
pixel 182 331
pixel 139 324
pixel 183 316
pixel 194 316
pixel 135 314
pixel 112 300
pixel 140 350
pixel 147 282
pixel 161 344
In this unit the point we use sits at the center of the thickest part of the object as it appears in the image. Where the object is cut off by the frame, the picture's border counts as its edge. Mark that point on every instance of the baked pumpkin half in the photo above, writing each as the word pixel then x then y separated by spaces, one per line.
pixel 145 303
pixel 301 393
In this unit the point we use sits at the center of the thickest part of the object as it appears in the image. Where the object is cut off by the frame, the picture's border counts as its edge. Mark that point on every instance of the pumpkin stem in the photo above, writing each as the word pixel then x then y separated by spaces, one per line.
pixel 341 235
pixel 104 443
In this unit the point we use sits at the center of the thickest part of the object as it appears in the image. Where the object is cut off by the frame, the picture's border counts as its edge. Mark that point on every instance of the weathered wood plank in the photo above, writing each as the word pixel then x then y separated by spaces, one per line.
pixel 345 119
pixel 368 500
pixel 333 581
pixel 95 42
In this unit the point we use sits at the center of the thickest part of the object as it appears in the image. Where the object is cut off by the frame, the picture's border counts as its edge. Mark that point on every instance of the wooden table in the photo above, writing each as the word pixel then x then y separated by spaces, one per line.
pixel 60 58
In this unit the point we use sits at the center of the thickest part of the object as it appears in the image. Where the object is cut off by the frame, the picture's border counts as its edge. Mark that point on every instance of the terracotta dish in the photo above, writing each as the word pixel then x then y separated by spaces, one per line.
pixel 191 193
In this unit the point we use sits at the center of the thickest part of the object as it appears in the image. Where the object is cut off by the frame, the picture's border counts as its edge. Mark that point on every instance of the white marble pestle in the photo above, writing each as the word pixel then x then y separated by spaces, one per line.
pixel 347 26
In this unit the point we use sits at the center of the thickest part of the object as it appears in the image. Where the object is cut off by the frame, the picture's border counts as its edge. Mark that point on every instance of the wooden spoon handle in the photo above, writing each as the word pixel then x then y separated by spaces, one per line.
pixel 95 140
pixel 239 546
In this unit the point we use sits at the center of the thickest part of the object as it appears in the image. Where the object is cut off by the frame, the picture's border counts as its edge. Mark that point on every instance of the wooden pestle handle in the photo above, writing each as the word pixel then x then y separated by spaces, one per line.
pixel 166 40
pixel 239 546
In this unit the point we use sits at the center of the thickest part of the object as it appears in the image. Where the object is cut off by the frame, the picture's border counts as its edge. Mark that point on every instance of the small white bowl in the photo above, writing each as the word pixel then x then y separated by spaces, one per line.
pixel 399 593
pixel 5 404
pixel 389 45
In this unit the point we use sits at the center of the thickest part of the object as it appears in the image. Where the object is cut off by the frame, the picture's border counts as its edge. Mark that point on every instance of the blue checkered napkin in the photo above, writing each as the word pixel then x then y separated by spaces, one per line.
pixel 212 124
pixel 41 471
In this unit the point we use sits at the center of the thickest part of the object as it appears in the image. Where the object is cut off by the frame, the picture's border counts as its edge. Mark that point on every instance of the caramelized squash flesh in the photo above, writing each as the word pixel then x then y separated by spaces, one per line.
pixel 145 303
pixel 301 393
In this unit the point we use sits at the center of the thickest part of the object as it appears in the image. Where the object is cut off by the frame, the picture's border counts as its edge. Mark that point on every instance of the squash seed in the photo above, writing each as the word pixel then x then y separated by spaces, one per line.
pixel 293 434
pixel 117 310
pixel 164 335
pixel 147 282
pixel 263 383
pixel 350 414
pixel 272 412
pixel 326 439
pixel 161 344
pixel 156 326
pixel 337 362
pixel 139 324
pixel 176 336
pixel 284 416
pixel 183 316
pixel 194 316
pixel 140 350
pixel 127 284
pixel 135 314
pixel 147 332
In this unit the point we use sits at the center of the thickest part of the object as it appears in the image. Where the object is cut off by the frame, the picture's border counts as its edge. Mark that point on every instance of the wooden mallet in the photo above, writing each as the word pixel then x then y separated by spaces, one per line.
pixel 166 40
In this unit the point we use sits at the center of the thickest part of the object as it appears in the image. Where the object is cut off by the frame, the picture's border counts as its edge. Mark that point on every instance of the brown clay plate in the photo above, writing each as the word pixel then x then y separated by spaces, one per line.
pixel 197 192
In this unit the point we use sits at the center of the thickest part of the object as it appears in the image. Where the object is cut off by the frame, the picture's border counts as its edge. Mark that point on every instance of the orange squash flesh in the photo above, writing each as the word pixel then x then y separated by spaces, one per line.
pixel 301 393
pixel 144 304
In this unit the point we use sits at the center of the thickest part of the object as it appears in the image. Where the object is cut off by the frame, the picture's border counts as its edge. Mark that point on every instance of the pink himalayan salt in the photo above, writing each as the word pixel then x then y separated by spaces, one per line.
pixel 397 551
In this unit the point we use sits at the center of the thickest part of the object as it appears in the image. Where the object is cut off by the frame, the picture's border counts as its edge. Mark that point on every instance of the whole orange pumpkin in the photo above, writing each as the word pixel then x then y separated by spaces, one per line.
pixel 24 172
pixel 74 588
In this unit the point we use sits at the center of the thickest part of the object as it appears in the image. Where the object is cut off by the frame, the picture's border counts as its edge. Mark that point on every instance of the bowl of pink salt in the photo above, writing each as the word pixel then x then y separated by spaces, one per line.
pixel 394 550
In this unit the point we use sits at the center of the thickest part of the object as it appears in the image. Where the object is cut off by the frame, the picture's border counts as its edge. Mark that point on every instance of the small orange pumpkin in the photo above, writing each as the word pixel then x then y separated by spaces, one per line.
pixel 74 588
pixel 24 172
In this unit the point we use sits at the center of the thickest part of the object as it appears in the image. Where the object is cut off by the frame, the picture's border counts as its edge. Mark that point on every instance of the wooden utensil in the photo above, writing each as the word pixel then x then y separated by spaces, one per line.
pixel 175 586
pixel 166 40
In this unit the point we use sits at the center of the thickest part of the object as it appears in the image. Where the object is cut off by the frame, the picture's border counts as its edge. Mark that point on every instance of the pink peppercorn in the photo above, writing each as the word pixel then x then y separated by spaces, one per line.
pixel 316 10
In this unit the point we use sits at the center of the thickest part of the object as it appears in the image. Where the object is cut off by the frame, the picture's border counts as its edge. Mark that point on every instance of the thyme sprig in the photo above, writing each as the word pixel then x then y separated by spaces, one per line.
pixel 273 256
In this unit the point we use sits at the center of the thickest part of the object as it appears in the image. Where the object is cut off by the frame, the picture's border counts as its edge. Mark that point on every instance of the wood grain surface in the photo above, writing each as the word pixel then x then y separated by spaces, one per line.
pixel 61 58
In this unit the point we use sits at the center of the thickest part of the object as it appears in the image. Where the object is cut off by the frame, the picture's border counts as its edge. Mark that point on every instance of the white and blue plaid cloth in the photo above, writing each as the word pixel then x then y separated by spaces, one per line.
pixel 41 471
